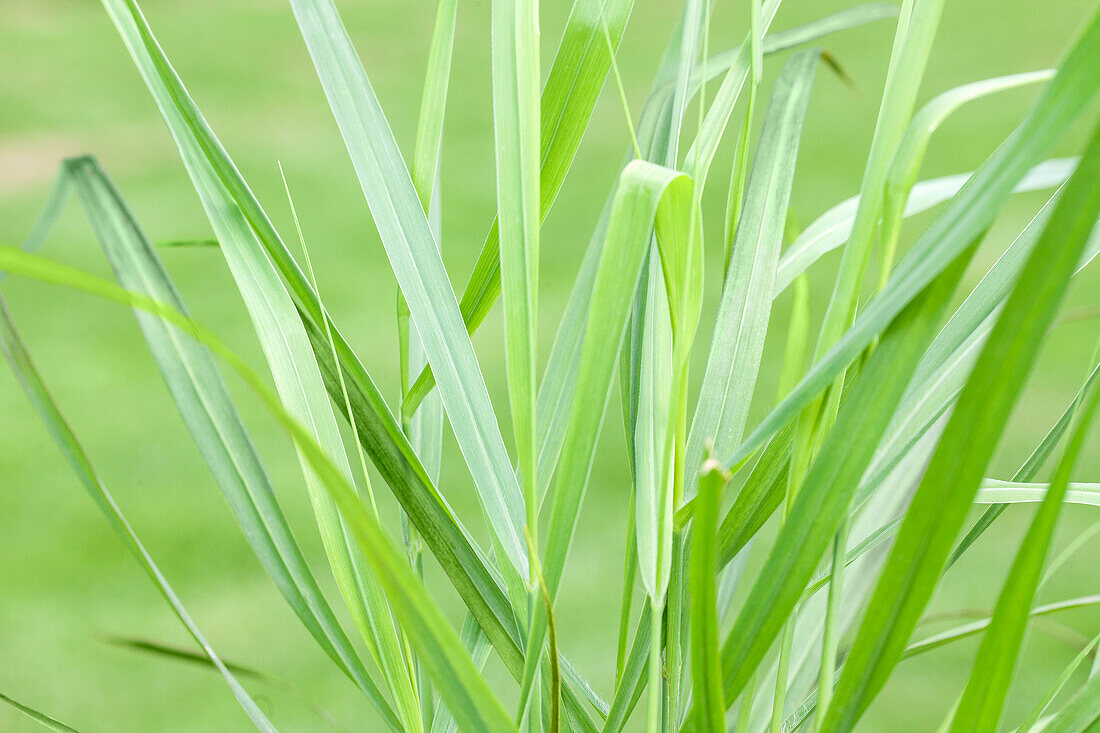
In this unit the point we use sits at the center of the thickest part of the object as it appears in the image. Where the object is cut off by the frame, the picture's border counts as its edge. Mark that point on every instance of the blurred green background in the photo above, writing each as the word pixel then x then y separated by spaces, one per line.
pixel 68 87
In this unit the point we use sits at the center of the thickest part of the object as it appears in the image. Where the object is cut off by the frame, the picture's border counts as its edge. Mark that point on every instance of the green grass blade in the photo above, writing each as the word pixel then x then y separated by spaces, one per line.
pixel 955 471
pixel 1027 472
pixel 515 41
pixel 744 311
pixel 38 717
pixel 823 502
pixel 911 149
pixel 832 229
pixel 179 654
pixel 31 381
pixel 965 218
pixel 645 192
pixel 702 151
pixel 569 101
pixel 213 421
pixel 983 698
pixel 710 707
pixel 947 363
pixel 379 432
pixel 1082 711
pixel 1063 679
pixel 559 379
pixel 284 342
pixel 569 97
pixel 416 262
pixel 912 46
pixel 446 661
pixel 958 633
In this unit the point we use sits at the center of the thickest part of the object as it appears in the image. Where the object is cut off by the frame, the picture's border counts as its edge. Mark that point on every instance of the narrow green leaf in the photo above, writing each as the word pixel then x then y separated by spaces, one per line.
pixel 1081 713
pixel 745 307
pixel 955 471
pixel 987 689
pixel 1063 679
pixel 569 97
pixel 40 718
pixel 27 375
pixel 958 633
pixel 911 149
pixel 646 193
pixel 284 342
pixel 832 229
pixel 515 41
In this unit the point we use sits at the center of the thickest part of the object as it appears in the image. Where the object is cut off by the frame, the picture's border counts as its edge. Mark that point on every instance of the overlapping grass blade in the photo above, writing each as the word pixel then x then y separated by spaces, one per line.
pixel 1027 471
pixel 956 468
pixel 284 341
pixel 645 193
pixel 29 378
pixel 986 691
pixel 744 310
pixel 569 97
pixel 832 229
pixel 943 638
pixel 449 665
pixel 823 502
pixel 213 421
pixel 1032 718
pixel 515 41
pixel 911 149
pixel 38 717
pixel 416 262
pixel 559 379
pixel 1080 713
pixel 965 218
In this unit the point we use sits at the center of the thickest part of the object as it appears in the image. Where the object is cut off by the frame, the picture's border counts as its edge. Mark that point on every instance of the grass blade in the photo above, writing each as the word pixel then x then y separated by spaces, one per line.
pixel 953 475
pixel 910 152
pixel 710 707
pixel 416 262
pixel 569 96
pixel 515 41
pixel 29 379
pixel 40 718
pixel 823 502
pixel 645 192
pixel 984 696
pixel 285 343
pixel 832 229
pixel 745 307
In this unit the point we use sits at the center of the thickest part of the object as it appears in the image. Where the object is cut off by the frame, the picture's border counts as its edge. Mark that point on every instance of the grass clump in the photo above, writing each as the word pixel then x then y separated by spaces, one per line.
pixel 871 456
